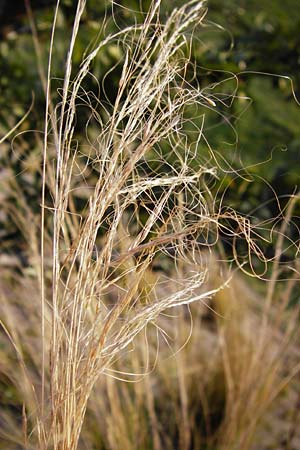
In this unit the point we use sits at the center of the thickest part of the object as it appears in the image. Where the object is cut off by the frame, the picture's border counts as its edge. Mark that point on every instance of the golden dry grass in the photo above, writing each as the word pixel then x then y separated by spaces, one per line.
pixel 89 306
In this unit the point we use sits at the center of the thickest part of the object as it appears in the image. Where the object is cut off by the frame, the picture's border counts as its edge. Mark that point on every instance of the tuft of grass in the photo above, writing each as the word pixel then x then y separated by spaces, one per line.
pixel 220 384
pixel 132 194
pixel 101 253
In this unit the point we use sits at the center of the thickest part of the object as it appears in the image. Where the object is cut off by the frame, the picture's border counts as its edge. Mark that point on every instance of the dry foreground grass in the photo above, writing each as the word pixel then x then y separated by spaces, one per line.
pixel 124 284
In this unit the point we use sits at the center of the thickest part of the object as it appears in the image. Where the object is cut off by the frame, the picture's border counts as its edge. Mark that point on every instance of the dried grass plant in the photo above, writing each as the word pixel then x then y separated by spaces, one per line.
pixel 87 333
pixel 220 391
pixel 147 198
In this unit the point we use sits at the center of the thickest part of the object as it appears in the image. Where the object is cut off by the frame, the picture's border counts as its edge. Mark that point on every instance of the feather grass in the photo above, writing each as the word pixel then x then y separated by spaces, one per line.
pixel 146 198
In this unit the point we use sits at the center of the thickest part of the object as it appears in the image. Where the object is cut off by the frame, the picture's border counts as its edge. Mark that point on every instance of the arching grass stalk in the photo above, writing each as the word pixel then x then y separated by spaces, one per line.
pixel 141 160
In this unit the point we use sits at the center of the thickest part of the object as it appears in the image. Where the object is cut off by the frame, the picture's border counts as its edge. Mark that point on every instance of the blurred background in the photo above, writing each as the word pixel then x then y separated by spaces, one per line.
pixel 248 59
pixel 247 55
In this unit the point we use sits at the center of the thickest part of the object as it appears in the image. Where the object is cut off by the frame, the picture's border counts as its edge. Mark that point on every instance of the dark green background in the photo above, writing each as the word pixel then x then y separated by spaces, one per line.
pixel 255 135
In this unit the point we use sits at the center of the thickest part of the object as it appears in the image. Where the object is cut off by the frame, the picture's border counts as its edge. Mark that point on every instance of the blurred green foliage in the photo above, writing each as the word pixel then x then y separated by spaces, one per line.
pixel 265 39
pixel 254 129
